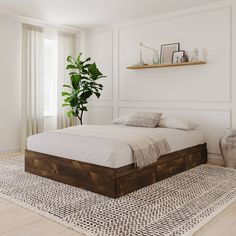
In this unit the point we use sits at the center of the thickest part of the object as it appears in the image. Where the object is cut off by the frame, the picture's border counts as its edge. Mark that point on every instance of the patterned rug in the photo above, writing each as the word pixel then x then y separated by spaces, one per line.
pixel 176 206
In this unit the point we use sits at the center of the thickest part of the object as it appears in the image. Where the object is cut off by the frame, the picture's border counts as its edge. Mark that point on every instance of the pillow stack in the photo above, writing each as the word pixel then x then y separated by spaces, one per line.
pixel 139 119
pixel 176 123
pixel 144 119
pixel 153 119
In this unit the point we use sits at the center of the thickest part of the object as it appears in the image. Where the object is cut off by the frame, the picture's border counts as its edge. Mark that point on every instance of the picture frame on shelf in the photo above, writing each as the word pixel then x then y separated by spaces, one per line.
pixel 167 52
pixel 178 56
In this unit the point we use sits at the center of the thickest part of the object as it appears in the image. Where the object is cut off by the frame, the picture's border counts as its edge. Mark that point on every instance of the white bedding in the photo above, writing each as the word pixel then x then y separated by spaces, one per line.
pixel 102 151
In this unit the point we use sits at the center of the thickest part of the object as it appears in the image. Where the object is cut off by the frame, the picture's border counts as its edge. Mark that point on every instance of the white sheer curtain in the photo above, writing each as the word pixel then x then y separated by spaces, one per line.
pixel 32 81
pixel 66 47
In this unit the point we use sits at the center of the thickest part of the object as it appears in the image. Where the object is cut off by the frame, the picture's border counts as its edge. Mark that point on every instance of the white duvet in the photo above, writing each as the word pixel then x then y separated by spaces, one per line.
pixel 101 151
pixel 147 146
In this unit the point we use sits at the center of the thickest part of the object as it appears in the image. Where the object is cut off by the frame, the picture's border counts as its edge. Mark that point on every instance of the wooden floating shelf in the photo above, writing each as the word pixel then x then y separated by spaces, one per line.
pixel 166 65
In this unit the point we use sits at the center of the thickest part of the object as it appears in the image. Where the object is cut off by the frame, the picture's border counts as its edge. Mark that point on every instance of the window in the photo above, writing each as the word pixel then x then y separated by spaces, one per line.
pixel 50 77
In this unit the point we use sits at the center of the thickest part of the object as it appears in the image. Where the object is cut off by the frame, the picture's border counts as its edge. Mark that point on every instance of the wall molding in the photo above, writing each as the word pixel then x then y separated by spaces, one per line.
pixel 212 150
pixel 207 8
pixel 30 20
pixel 101 106
pixel 100 31
pixel 224 105
pixel 231 54
pixel 194 105
pixel 175 14
pixel 179 109
pixel 97 31
pixel 176 108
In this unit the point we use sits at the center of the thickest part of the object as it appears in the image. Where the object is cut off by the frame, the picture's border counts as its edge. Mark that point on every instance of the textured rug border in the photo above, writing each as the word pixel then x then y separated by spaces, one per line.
pixel 212 216
pixel 86 233
pixel 209 218
pixel 45 215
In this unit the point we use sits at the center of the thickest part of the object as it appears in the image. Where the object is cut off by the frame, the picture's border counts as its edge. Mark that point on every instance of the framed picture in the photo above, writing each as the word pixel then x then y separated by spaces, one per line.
pixel 178 56
pixel 167 52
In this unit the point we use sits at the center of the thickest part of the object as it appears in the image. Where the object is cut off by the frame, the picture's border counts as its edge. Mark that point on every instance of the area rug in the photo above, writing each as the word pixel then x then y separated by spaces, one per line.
pixel 176 206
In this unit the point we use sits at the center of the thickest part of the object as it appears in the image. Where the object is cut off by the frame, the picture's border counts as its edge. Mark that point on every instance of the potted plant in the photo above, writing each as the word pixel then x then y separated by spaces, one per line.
pixel 83 76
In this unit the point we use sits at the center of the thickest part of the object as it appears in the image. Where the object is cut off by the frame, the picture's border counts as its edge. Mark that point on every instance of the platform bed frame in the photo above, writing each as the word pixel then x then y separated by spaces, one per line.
pixel 113 182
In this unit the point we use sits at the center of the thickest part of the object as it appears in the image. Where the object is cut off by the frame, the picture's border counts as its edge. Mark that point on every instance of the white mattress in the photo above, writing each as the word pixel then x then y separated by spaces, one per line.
pixel 105 152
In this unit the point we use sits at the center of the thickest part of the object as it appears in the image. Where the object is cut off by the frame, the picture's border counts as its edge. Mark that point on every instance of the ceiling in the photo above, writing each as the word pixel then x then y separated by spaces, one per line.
pixel 93 13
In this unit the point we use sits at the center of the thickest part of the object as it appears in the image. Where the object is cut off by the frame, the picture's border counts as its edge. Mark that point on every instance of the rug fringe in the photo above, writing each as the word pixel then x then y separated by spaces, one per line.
pixel 45 215
pixel 209 218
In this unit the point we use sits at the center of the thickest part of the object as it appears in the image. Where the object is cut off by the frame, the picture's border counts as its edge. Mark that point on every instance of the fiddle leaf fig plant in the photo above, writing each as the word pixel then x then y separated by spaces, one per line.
pixel 84 77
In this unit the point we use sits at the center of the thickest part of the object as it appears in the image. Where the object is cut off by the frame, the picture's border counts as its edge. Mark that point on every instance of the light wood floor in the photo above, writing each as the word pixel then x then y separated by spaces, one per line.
pixel 17 221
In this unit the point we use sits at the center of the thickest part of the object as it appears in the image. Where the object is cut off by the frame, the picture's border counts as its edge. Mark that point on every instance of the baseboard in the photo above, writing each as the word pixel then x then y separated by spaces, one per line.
pixel 214 158
pixel 9 150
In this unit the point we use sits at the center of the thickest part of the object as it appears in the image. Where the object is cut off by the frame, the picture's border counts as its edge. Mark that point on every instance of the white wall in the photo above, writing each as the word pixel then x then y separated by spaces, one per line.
pixel 205 94
pixel 10 78
pixel 99 46
pixel 10 90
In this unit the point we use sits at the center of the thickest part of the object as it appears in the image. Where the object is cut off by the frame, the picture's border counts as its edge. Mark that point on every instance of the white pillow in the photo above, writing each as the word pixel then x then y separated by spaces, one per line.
pixel 176 123
pixel 144 119
pixel 121 120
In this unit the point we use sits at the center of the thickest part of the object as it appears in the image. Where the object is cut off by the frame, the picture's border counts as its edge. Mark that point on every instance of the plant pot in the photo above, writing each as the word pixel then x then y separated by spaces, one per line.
pixel 228 148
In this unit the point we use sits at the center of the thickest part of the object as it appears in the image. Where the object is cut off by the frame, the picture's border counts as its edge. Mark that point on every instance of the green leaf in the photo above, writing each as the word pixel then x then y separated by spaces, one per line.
pixel 70 60
pixel 85 71
pixel 65 105
pixel 82 102
pixel 86 94
pixel 69 113
pixel 86 60
pixel 101 76
pixel 97 94
pixel 92 69
pixel 65 94
pixel 67 86
pixel 75 80
pixel 71 67
pixel 74 101
pixel 74 113
pixel 78 58
pixel 68 99
pixel 84 109
pixel 73 73
pixel 75 92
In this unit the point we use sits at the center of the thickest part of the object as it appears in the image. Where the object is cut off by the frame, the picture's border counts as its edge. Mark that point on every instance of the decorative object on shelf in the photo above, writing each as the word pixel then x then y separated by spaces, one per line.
pixel 156 57
pixel 228 148
pixel 204 54
pixel 141 62
pixel 196 52
pixel 178 56
pixel 138 67
pixel 186 57
pixel 167 52
pixel 141 58
pixel 195 55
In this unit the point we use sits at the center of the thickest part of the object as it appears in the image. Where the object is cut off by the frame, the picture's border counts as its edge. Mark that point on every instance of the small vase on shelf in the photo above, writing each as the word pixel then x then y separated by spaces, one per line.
pixel 228 148
pixel 156 58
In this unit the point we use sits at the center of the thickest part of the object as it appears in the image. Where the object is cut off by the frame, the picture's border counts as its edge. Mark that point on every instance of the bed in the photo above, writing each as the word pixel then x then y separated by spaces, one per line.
pixel 106 166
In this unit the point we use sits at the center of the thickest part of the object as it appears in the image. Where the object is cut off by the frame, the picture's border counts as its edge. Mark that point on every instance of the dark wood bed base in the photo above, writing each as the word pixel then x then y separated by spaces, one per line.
pixel 113 182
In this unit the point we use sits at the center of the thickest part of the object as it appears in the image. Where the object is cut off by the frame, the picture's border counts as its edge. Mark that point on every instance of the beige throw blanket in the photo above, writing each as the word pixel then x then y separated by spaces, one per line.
pixel 146 143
